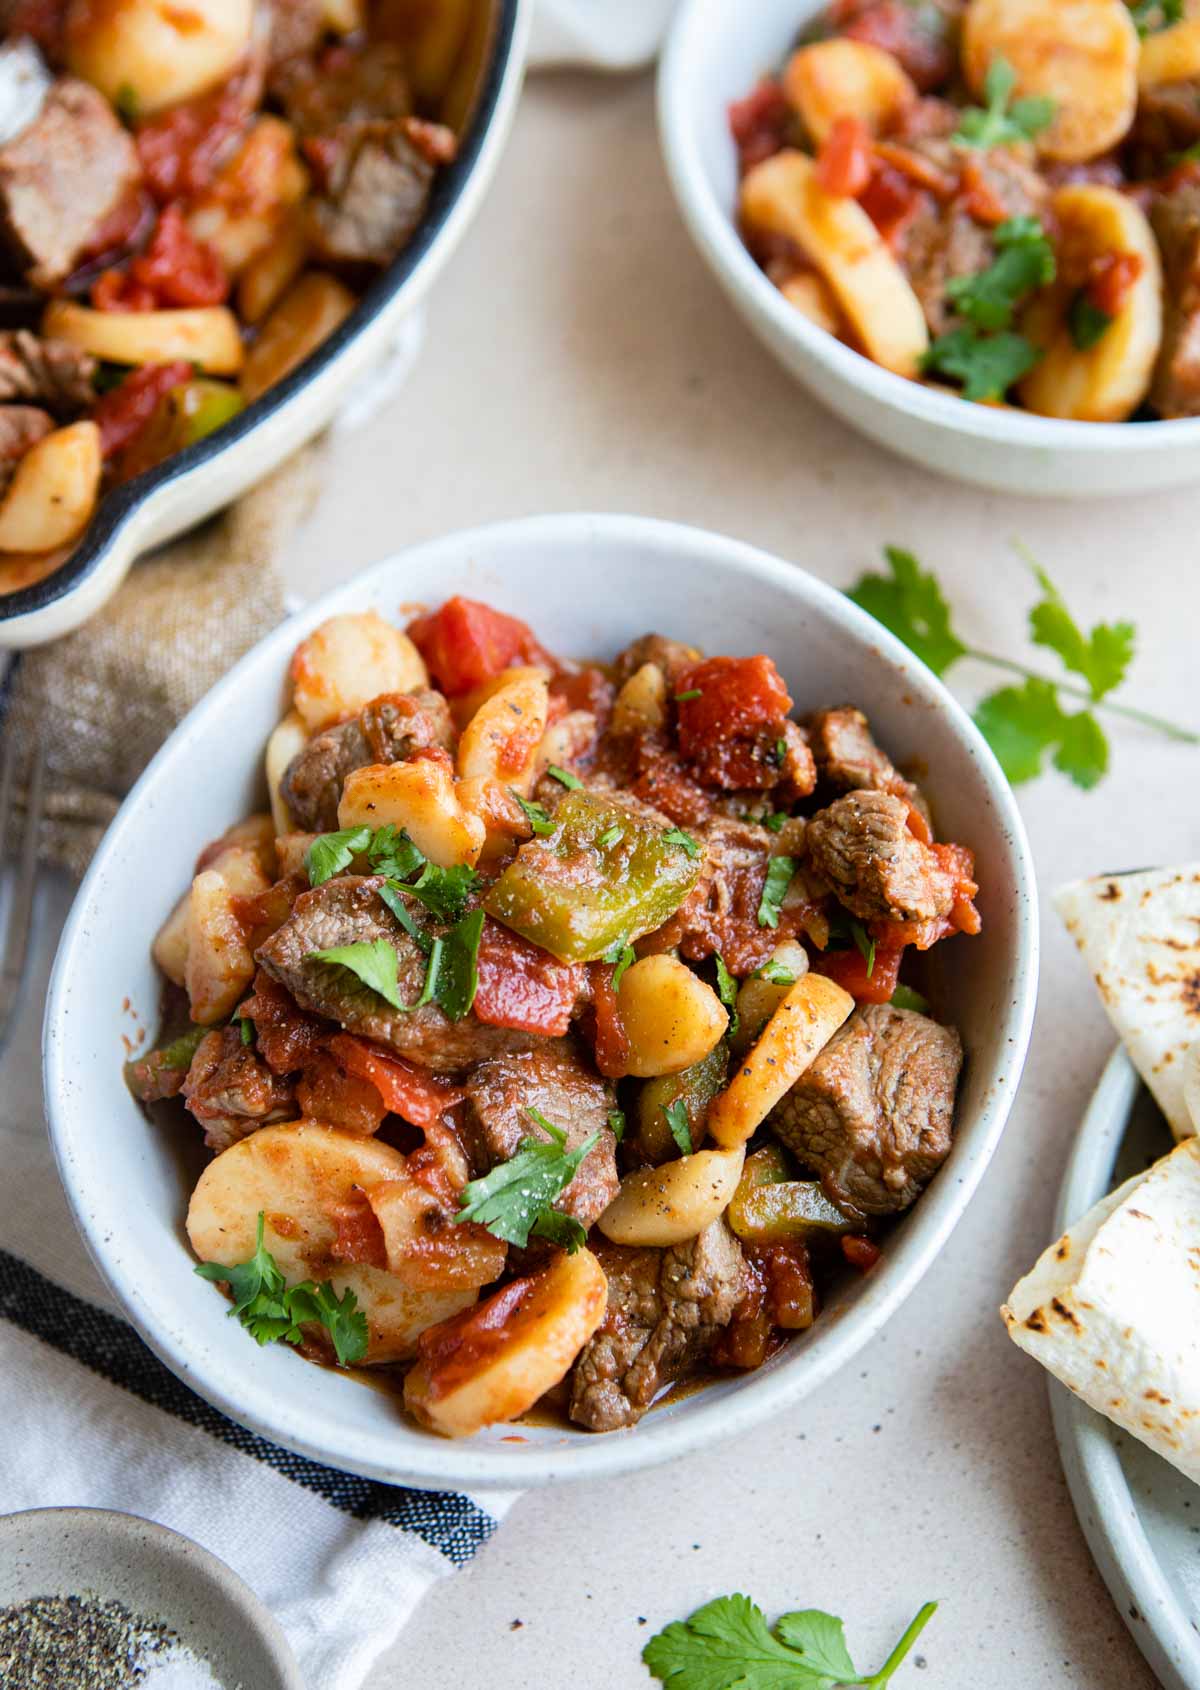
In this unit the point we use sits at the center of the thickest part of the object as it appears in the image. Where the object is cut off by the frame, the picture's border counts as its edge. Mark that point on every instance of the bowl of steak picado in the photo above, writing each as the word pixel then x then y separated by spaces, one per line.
pixel 574 1017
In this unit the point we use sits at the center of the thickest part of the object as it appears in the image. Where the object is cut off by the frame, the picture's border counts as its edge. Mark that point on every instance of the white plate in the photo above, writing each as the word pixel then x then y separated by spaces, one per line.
pixel 1140 1516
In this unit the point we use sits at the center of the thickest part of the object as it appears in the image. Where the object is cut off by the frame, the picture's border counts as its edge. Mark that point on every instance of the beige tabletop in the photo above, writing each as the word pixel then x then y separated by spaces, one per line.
pixel 579 356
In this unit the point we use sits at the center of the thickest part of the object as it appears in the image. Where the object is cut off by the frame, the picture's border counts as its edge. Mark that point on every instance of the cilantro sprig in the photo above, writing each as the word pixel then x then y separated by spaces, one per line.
pixel 727 991
pixel 1004 122
pixel 728 1645
pixel 987 365
pixel 1152 15
pixel 780 871
pixel 517 1197
pixel 1022 723
pixel 1024 262
pixel 451 967
pixel 680 1125
pixel 274 1312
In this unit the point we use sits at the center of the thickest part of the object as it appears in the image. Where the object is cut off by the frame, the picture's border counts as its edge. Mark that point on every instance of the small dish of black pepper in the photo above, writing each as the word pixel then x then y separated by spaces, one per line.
pixel 96 1600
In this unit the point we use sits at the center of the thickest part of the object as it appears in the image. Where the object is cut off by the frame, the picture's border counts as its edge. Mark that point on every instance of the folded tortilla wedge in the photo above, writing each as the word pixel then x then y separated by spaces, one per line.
pixel 1140 936
pixel 1113 1308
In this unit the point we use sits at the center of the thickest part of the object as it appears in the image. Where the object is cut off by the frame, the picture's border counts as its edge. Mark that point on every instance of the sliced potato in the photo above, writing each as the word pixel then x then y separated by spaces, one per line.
pixel 504 821
pixel 1082 53
pixel 170 947
pixel 53 493
pixel 298 1175
pixel 800 1028
pixel 641 705
pixel 494 1363
pixel 813 297
pixel 307 314
pixel 420 798
pixel 667 1205
pixel 671 1017
pixel 783 195
pixel 1105 382
pixel 291 850
pixel 1170 55
pixel 758 999
pixel 425 1246
pixel 241 213
pixel 286 742
pixel 502 739
pixel 349 660
pixel 152 53
pixel 204 335
pixel 846 78
pixel 568 739
pixel 220 962
pixel 271 272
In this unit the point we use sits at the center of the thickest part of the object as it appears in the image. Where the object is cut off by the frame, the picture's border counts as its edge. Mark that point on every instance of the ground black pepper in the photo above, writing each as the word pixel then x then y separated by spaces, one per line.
pixel 78 1643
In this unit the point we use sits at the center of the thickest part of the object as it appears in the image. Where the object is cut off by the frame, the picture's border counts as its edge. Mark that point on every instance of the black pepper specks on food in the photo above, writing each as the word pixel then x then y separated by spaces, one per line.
pixel 78 1643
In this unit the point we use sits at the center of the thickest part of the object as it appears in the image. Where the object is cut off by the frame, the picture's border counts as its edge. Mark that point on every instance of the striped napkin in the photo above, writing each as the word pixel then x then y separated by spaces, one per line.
pixel 92 1418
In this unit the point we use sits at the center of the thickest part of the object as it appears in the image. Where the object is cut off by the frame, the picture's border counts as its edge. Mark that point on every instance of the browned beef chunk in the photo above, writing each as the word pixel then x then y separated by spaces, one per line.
pixel 847 756
pixel 873 1116
pixel 21 426
pixel 376 193
pixel 720 914
pixel 51 373
pixel 1167 122
pixel 560 1084
pixel 295 28
pixel 389 730
pixel 798 770
pixel 363 87
pixel 61 177
pixel 943 240
pixel 344 912
pixel 665 1308
pixel 1176 221
pixel 231 1091
pixel 863 847
pixel 671 656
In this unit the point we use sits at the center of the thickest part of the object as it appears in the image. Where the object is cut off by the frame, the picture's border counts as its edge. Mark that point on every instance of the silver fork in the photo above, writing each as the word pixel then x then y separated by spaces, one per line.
pixel 20 909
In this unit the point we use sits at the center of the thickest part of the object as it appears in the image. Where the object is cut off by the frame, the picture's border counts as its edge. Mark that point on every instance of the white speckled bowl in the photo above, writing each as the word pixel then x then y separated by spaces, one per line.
pixel 158 1575
pixel 588 584
pixel 716 52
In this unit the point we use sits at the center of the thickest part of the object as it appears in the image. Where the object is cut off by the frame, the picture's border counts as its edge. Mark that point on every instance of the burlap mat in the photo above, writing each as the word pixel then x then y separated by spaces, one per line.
pixel 103 699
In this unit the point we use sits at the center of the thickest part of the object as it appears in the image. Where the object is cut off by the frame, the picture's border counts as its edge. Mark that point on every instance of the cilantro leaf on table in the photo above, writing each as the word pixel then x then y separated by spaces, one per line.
pixel 1101 657
pixel 727 991
pixel 512 1199
pixel 986 364
pixel 1004 122
pixel 1024 262
pixel 681 1127
pixel 727 1645
pixel 911 604
pixel 1024 723
pixel 780 871
pixel 272 1312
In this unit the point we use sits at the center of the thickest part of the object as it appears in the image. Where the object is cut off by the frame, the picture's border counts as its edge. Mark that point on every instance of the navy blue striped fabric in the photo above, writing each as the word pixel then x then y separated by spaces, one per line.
pixel 451 1524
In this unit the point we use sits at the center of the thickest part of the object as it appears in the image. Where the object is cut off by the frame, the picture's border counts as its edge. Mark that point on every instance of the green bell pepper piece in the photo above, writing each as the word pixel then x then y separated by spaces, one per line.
pixel 696 1087
pixel 768 1206
pixel 604 877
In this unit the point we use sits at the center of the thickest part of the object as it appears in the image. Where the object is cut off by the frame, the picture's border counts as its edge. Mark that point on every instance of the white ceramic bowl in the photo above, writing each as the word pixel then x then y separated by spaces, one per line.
pixel 191 485
pixel 588 584
pixel 716 53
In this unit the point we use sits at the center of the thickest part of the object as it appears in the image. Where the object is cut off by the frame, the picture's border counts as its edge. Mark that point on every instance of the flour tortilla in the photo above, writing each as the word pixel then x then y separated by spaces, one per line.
pixel 1113 1308
pixel 1140 936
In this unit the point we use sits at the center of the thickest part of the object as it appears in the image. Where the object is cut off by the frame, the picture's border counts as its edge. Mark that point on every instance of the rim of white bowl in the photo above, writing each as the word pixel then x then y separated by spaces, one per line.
pixel 709 1417
pixel 714 232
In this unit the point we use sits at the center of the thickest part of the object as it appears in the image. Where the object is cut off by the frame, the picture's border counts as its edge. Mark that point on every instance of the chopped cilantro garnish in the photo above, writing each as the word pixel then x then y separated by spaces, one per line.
pixel 517 1197
pixel 330 853
pixel 905 998
pixel 246 1029
pixel 1024 262
pixel 681 1128
pixel 609 836
pixel 692 692
pixel 774 823
pixel 1152 15
pixel 1086 321
pixel 986 364
pixel 535 815
pixel 727 991
pixel 1001 123
pixel 676 836
pixel 780 871
pixel 775 973
pixel 564 777
pixel 272 1311
pixel 445 892
pixel 620 955
pixel 616 1123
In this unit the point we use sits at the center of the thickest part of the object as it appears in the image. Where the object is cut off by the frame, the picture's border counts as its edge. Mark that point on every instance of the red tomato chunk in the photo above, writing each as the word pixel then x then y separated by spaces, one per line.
pixel 122 414
pixel 523 986
pixel 849 970
pixel 844 162
pixel 760 123
pixel 466 643
pixel 732 712
pixel 407 1091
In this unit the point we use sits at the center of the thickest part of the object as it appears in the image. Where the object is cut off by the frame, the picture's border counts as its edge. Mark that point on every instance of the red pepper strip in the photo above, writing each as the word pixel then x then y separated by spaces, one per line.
pixel 407 1091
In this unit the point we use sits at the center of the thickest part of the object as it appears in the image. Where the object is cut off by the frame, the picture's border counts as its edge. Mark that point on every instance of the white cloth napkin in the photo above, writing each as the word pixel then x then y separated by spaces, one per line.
pixel 92 1418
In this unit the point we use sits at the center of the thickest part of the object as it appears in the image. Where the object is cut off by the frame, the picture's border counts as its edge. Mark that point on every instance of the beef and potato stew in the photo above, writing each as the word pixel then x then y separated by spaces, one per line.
pixel 190 202
pixel 551 1037
pixel 998 198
